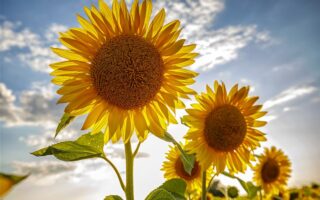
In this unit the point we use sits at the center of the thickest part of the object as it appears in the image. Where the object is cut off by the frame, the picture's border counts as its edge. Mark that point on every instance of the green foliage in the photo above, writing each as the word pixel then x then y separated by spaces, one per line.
pixel 113 197
pixel 249 187
pixel 12 177
pixel 160 194
pixel 173 189
pixel 215 189
pixel 65 120
pixel 187 159
pixel 86 146
pixel 233 192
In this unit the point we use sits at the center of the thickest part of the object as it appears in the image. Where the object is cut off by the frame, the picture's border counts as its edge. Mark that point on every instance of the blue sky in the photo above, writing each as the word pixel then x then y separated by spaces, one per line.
pixel 271 45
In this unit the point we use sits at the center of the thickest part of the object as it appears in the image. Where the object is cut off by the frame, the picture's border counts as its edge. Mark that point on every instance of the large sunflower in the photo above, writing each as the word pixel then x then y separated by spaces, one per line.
pixel 223 128
pixel 272 171
pixel 124 70
pixel 173 168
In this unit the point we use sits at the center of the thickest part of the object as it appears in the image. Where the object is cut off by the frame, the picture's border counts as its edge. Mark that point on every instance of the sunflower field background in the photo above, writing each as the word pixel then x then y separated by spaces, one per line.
pixel 204 99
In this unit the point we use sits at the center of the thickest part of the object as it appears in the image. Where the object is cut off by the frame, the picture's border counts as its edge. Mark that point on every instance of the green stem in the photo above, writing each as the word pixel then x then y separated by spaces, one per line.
pixel 260 194
pixel 136 150
pixel 129 171
pixel 204 187
pixel 210 182
pixel 116 171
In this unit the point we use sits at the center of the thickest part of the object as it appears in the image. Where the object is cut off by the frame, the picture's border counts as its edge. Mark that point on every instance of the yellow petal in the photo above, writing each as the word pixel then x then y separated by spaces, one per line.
pixel 156 24
pixel 69 54
pixel 173 48
pixel 94 115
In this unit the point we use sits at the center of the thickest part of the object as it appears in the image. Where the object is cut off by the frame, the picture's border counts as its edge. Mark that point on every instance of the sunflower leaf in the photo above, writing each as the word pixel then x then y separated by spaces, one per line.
pixel 252 190
pixel 187 159
pixel 249 187
pixel 173 189
pixel 113 197
pixel 86 146
pixel 65 120
pixel 176 187
pixel 160 194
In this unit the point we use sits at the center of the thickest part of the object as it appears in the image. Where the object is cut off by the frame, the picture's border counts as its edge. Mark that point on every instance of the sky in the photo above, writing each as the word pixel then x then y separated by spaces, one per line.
pixel 273 46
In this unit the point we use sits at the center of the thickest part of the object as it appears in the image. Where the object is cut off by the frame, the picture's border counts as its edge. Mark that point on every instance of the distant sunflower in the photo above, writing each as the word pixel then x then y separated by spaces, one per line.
pixel 223 128
pixel 6 184
pixel 173 168
pixel 209 196
pixel 127 73
pixel 272 171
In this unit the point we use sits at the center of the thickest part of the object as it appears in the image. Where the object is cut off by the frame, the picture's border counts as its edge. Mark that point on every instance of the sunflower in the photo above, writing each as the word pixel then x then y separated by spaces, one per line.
pixel 126 72
pixel 223 128
pixel 210 196
pixel 173 168
pixel 272 171
pixel 6 185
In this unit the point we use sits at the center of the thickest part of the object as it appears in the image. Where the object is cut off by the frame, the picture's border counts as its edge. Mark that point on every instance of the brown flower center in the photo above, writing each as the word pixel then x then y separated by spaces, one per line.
pixel 183 174
pixel 270 171
pixel 225 128
pixel 127 71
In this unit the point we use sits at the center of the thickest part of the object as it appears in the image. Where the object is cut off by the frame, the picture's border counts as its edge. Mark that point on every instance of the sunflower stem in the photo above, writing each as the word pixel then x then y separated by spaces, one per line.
pixel 136 150
pixel 260 194
pixel 116 171
pixel 129 171
pixel 210 182
pixel 204 187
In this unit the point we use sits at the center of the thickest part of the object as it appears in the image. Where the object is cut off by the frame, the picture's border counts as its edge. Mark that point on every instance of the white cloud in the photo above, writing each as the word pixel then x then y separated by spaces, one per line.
pixel 38 58
pixel 223 45
pixel 10 37
pixel 47 138
pixel 8 111
pixel 113 151
pixel 289 95
pixel 52 33
pixel 36 52
pixel 36 106
pixel 215 46
pixel 197 17
pixel 48 172
pixel 268 118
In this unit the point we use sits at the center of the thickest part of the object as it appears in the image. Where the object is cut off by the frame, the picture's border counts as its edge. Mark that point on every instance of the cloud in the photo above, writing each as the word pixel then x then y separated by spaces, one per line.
pixel 49 172
pixel 47 138
pixel 36 53
pixel 8 111
pixel 35 106
pixel 113 151
pixel 10 37
pixel 52 33
pixel 197 16
pixel 223 45
pixel 289 95
pixel 215 46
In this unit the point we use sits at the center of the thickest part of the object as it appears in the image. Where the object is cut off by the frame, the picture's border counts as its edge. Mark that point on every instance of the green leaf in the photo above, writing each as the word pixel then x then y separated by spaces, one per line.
pixel 252 190
pixel 249 187
pixel 187 159
pixel 172 189
pixel 86 146
pixel 113 197
pixel 176 187
pixel 65 120
pixel 160 194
